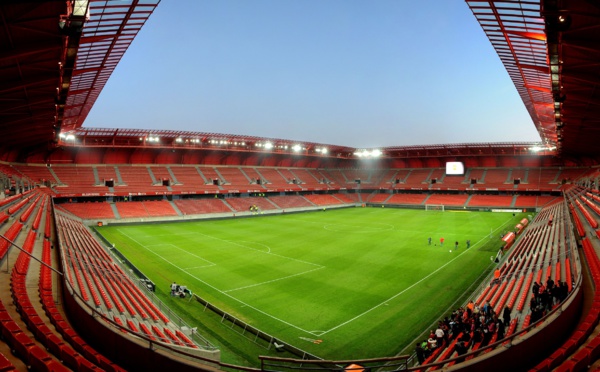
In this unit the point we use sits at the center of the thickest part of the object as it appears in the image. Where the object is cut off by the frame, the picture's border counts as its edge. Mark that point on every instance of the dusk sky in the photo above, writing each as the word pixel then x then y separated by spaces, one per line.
pixel 359 73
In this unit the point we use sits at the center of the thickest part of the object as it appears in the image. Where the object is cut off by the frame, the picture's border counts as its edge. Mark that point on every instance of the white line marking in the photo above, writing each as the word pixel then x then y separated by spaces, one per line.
pixel 403 291
pixel 274 280
pixel 215 288
pixel 181 249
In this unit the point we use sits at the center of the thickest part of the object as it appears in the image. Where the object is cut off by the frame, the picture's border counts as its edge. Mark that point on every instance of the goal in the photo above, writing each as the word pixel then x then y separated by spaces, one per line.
pixel 434 207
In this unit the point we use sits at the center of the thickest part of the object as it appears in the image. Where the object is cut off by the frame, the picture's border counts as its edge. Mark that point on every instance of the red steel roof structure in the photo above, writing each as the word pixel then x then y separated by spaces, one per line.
pixel 56 58
pixel 58 55
pixel 551 50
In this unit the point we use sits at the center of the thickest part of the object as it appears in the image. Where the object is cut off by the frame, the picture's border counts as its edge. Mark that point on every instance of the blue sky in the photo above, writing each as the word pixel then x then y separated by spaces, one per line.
pixel 359 73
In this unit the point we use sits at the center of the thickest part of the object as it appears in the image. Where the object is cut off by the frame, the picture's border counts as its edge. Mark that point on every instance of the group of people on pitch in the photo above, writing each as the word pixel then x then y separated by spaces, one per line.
pixel 468 242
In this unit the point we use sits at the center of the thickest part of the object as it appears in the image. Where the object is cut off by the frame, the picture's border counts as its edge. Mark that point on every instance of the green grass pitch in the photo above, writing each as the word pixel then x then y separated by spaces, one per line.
pixel 365 281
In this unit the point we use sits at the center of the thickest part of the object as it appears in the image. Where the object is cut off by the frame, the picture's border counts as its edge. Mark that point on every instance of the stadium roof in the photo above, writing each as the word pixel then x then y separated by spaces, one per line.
pixel 551 50
pixel 58 55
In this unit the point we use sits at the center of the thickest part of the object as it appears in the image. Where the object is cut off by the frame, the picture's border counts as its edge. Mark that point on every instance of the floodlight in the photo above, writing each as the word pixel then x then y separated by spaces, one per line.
pixel 178 139
pixel 268 145
pixel 62 135
pixel 376 153
pixel 296 148
pixel 80 8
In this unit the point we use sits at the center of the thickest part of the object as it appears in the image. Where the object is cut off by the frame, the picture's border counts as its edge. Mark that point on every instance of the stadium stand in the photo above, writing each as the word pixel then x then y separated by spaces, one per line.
pixel 133 209
pixel 274 178
pixel 476 175
pixel 323 199
pixel 76 179
pixel 202 206
pixel 347 198
pixel 335 176
pixel 52 167
pixel 159 208
pixel 445 199
pixel 455 181
pixel 417 178
pixel 210 175
pixel 292 201
pixel 161 174
pixel 415 199
pixel 378 198
pixel 107 174
pixel 386 178
pixel 496 177
pixel 89 210
pixel 138 179
pixel 233 176
pixel 244 204
pixel 306 179
pixel 490 201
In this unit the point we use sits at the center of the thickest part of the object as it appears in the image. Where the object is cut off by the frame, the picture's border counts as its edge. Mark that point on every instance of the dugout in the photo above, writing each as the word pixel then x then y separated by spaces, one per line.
pixel 508 240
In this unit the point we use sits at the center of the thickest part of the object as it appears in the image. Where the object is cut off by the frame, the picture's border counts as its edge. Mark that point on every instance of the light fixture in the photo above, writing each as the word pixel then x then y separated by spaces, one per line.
pixel 80 8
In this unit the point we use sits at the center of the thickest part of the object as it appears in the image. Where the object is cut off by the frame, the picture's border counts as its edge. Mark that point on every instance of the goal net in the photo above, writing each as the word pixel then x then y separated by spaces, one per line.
pixel 434 207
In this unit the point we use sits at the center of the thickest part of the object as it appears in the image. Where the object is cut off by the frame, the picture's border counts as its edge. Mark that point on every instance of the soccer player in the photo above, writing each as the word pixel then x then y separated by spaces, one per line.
pixel 468 243
pixel 429 240
pixel 442 241
pixel 456 245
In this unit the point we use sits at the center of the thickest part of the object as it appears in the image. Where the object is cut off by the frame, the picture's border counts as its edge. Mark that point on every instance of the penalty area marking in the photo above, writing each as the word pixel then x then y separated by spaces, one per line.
pixel 386 302
pixel 244 304
pixel 209 263
pixel 273 280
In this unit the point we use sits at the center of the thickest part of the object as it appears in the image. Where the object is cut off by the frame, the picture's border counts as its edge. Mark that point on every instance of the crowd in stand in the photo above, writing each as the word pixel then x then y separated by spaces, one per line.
pixel 545 297
pixel 474 325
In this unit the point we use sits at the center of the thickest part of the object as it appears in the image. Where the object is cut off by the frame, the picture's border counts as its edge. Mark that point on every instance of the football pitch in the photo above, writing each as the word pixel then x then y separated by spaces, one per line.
pixel 340 284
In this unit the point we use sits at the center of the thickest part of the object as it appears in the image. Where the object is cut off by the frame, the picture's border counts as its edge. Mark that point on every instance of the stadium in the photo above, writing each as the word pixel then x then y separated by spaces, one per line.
pixel 162 249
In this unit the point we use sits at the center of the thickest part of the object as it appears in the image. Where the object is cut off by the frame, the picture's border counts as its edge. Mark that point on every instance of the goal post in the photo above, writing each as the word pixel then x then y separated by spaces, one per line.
pixel 434 207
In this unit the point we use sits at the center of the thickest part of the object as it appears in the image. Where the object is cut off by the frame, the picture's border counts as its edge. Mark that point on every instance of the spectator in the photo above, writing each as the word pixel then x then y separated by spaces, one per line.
pixel 420 353
pixel 439 334
pixel 431 343
pixel 506 315
pixel 500 329
pixel 536 289
pixel 461 348
pixel 426 350
pixel 550 284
